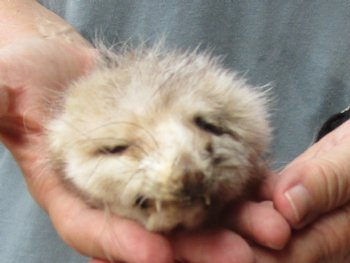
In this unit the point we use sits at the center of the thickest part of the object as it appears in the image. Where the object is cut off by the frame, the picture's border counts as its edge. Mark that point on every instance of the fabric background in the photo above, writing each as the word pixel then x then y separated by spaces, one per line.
pixel 301 47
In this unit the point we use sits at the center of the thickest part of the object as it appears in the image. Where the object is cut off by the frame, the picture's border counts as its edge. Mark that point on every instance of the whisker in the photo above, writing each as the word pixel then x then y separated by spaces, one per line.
pixel 100 160
pixel 106 226
pixel 125 185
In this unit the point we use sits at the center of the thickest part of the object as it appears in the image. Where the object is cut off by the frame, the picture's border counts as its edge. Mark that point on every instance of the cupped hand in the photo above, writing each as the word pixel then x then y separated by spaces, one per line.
pixel 244 224
pixel 313 194
pixel 40 55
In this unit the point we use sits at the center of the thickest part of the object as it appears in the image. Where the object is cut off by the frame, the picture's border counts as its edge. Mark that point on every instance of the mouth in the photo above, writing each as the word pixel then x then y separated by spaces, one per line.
pixel 181 201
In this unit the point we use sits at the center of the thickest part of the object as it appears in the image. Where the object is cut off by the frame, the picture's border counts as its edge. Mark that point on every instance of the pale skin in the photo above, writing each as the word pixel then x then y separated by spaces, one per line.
pixel 313 194
pixel 87 231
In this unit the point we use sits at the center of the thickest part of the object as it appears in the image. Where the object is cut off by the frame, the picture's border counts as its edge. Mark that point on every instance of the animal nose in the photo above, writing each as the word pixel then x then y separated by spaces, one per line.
pixel 193 184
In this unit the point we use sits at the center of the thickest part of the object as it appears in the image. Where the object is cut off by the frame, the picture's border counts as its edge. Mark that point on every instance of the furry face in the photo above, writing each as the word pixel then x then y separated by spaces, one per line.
pixel 165 139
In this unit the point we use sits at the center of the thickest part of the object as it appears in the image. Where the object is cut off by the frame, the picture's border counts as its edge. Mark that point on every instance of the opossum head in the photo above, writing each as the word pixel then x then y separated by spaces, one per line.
pixel 161 138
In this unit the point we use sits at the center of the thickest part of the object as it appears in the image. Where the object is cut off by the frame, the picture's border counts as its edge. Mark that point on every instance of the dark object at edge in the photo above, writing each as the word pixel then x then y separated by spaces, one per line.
pixel 333 122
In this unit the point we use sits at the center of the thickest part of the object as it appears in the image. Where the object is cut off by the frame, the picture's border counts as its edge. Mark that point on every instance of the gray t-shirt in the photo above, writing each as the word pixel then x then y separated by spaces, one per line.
pixel 301 47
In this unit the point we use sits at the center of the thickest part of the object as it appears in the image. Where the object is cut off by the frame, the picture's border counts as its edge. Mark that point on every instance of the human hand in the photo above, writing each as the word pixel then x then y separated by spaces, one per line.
pixel 313 194
pixel 244 224
pixel 39 56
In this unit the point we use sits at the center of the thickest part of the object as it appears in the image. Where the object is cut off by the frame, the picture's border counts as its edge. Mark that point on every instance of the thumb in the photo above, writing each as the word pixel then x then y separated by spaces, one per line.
pixel 316 182
pixel 326 241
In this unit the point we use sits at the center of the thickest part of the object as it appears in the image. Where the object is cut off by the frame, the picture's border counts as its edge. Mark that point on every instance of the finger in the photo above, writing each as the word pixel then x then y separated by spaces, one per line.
pixel 96 260
pixel 326 240
pixel 261 223
pixel 11 123
pixel 91 233
pixel 4 100
pixel 268 185
pixel 315 185
pixel 211 246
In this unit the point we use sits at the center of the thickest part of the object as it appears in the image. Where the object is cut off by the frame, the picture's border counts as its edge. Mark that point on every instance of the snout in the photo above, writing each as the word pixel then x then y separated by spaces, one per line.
pixel 194 186
pixel 183 183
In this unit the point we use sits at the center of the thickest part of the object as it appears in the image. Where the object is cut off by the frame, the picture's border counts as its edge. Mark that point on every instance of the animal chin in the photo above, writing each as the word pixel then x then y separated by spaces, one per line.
pixel 174 217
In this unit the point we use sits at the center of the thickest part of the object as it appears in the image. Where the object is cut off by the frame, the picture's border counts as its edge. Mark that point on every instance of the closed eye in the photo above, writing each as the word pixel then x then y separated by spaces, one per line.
pixel 208 126
pixel 117 149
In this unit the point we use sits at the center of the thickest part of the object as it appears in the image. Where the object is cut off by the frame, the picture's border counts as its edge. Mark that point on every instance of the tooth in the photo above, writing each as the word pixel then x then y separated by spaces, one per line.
pixel 207 200
pixel 158 205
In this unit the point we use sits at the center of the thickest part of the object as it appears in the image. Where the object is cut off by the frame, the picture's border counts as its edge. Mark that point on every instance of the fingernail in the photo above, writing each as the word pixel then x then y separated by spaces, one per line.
pixel 275 246
pixel 300 202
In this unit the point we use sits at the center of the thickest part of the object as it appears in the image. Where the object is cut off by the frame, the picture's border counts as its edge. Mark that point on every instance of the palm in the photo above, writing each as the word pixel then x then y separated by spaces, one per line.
pixel 22 131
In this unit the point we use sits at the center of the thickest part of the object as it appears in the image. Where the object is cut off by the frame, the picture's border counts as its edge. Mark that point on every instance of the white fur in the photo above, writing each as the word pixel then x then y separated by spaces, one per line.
pixel 149 100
